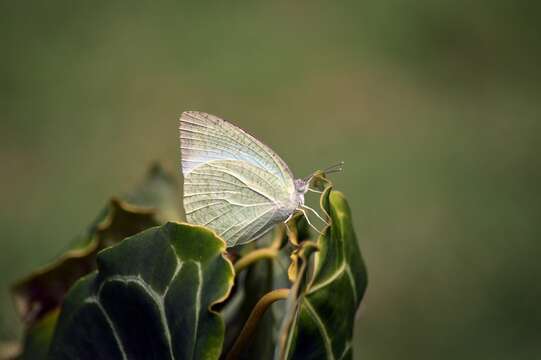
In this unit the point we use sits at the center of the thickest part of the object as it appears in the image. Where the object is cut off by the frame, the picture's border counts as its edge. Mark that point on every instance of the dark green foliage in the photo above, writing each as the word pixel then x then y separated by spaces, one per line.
pixel 165 292
pixel 38 337
pixel 151 298
pixel 39 295
pixel 325 307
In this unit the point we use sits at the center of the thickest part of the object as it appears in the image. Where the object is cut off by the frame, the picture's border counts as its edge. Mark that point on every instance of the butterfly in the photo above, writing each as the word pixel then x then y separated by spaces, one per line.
pixel 235 184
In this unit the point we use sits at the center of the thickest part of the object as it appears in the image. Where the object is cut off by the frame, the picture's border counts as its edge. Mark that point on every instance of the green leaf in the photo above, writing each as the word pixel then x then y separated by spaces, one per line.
pixel 44 289
pixel 152 297
pixel 38 337
pixel 160 190
pixel 250 285
pixel 153 202
pixel 257 280
pixel 257 283
pixel 322 312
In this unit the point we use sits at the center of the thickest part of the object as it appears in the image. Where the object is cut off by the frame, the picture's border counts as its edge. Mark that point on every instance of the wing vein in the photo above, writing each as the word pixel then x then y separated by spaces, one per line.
pixel 221 141
pixel 259 228
pixel 234 175
pixel 233 182
pixel 250 222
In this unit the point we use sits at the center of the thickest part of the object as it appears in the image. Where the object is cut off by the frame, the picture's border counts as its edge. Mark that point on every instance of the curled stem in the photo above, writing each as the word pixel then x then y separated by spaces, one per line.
pixel 243 340
pixel 249 259
pixel 264 253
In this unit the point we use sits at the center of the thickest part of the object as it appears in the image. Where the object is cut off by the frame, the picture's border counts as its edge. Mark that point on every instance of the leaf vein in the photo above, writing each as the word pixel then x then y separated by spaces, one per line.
pixel 322 329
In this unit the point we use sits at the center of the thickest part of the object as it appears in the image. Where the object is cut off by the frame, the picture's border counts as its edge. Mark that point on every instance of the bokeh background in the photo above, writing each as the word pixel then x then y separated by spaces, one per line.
pixel 435 107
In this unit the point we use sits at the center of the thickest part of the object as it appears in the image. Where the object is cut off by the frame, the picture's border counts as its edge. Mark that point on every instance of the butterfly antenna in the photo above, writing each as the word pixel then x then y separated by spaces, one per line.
pixel 331 169
pixel 334 168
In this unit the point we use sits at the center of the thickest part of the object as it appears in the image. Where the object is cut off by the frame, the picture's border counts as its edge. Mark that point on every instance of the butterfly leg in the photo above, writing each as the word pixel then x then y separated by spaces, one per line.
pixel 315 212
pixel 289 217
pixel 288 230
pixel 308 220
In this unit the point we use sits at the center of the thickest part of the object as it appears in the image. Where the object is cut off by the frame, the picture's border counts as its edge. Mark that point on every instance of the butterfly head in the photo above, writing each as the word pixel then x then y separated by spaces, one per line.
pixel 301 187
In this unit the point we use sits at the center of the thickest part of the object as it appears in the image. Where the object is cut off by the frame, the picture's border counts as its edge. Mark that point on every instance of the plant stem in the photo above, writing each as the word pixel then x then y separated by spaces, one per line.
pixel 249 259
pixel 264 253
pixel 243 340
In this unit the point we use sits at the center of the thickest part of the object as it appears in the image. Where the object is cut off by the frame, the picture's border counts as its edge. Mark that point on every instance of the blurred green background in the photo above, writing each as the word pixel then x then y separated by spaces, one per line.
pixel 433 105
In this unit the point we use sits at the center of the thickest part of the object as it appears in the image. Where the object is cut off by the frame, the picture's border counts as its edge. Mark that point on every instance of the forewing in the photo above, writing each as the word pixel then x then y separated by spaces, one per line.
pixel 205 137
pixel 238 200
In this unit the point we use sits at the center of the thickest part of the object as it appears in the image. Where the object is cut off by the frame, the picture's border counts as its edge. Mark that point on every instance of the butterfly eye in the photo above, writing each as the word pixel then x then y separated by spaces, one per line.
pixel 301 186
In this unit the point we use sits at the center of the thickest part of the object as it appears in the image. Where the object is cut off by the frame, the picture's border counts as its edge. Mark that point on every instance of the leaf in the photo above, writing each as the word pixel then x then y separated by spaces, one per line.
pixel 152 203
pixel 160 190
pixel 260 278
pixel 152 297
pixel 250 285
pixel 38 337
pixel 297 228
pixel 10 350
pixel 257 283
pixel 44 289
pixel 322 312
pixel 301 261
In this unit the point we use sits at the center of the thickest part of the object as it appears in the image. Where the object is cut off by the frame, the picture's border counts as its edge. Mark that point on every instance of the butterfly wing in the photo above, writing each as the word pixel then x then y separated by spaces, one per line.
pixel 206 137
pixel 233 183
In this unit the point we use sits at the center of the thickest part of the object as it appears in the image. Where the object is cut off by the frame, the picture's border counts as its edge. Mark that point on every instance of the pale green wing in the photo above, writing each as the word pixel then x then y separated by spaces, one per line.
pixel 205 137
pixel 238 200
pixel 233 183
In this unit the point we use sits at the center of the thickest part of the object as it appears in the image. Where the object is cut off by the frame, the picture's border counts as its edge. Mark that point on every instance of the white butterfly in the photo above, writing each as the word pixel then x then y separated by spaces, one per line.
pixel 233 183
